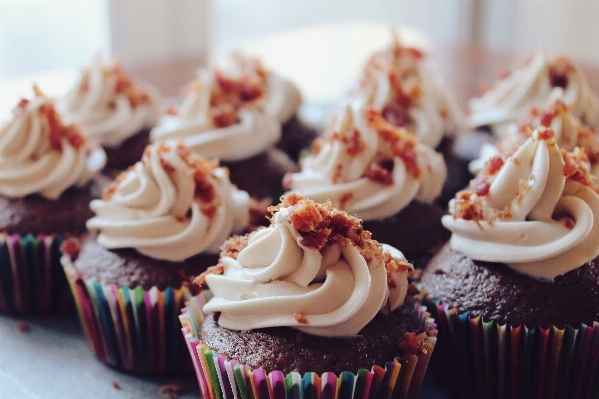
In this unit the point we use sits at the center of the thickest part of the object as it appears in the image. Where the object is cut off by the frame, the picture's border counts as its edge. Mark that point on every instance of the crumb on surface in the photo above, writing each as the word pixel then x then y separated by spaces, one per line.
pixel 23 326
pixel 171 391
pixel 116 385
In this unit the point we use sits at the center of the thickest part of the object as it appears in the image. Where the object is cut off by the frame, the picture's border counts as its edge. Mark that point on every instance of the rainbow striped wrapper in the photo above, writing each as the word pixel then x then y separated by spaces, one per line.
pixel 31 278
pixel 479 359
pixel 131 329
pixel 220 378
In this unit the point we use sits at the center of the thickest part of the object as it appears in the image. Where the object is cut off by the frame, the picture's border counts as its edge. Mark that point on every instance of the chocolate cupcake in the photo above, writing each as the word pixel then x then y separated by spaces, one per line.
pixel 381 174
pixel 236 115
pixel 160 222
pixel 530 86
pixel 46 182
pixel 400 83
pixel 113 108
pixel 312 297
pixel 516 289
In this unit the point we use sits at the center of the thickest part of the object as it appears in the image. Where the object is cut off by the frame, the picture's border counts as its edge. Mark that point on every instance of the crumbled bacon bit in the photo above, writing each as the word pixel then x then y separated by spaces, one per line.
pixel 568 223
pixel 20 108
pixel 547 117
pixel 168 168
pixel 414 343
pixel 396 116
pixel 353 144
pixel 378 174
pixel 559 71
pixel 22 326
pixel 577 168
pixel 545 133
pixel 171 109
pixel 112 187
pixel 503 74
pixel 406 91
pixel 116 385
pixel 172 391
pixel 337 173
pixel 300 318
pixel 467 206
pixel 233 245
pixel 71 247
pixel 402 144
pixel 492 166
pixel 414 52
pixel 317 145
pixel 201 279
pixel 58 131
pixel 224 115
pixel 124 84
pixel 480 186
pixel 345 198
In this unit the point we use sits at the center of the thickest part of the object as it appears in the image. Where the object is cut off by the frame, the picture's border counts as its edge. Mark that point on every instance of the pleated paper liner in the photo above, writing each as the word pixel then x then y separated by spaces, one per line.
pixel 31 278
pixel 220 378
pixel 131 329
pixel 479 359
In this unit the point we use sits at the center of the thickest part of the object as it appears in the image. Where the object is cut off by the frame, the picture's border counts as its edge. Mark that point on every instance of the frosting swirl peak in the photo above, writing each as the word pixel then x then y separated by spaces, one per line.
pixel 313 269
pixel 536 210
pixel 40 154
pixel 232 113
pixel 109 105
pixel 369 167
pixel 171 205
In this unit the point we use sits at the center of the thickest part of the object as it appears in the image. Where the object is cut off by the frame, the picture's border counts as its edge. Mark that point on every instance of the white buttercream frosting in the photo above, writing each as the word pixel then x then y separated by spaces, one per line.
pixel 399 82
pixel 171 205
pixel 538 213
pixel 569 130
pixel 331 290
pixel 108 105
pixel 39 154
pixel 370 168
pixel 531 86
pixel 233 113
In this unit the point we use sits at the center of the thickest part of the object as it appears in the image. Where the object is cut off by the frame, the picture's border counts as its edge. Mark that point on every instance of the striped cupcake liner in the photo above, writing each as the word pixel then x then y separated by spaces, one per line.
pixel 480 359
pixel 31 278
pixel 131 329
pixel 220 378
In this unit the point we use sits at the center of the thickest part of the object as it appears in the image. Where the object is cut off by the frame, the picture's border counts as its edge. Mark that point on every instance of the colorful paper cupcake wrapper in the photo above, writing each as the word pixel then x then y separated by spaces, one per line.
pixel 479 359
pixel 131 328
pixel 31 278
pixel 220 378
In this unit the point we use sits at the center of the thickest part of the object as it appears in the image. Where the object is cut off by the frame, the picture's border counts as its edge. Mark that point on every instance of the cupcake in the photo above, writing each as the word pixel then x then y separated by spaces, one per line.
pixel 110 106
pixel 160 222
pixel 46 182
pixel 516 289
pixel 379 173
pixel 400 83
pixel 530 86
pixel 236 115
pixel 570 132
pixel 309 304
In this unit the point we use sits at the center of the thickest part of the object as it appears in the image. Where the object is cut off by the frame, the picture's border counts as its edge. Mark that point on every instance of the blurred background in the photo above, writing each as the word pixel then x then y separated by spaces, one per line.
pixel 49 40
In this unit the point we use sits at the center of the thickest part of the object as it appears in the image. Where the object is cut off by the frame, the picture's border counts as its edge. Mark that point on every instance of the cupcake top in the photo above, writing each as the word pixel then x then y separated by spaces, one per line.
pixel 398 82
pixel 368 167
pixel 534 210
pixel 531 85
pixel 232 113
pixel 171 205
pixel 314 269
pixel 41 155
pixel 109 105
pixel 569 130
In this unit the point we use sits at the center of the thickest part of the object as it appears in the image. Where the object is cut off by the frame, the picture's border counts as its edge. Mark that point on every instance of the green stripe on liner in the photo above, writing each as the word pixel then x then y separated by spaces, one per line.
pixel 139 315
pixel 360 383
pixel 213 374
pixel 490 335
pixel 240 381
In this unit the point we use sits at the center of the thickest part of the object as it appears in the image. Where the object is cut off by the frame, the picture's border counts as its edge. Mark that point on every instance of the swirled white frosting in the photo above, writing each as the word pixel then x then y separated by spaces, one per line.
pixel 159 208
pixel 277 281
pixel 533 218
pixel 399 80
pixel 258 124
pixel 531 86
pixel 108 106
pixel 38 154
pixel 340 175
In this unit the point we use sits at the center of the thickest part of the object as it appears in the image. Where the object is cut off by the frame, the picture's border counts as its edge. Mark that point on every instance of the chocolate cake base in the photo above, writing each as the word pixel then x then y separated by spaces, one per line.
pixel 262 175
pixel 296 136
pixel 287 349
pixel 127 267
pixel 496 292
pixel 416 230
pixel 128 152
pixel 35 214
